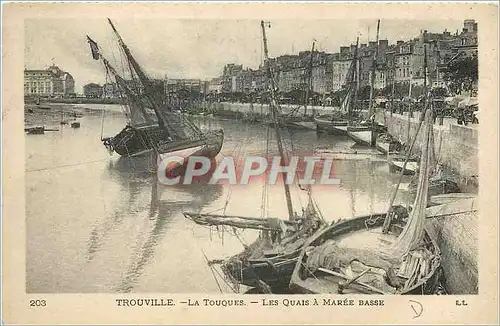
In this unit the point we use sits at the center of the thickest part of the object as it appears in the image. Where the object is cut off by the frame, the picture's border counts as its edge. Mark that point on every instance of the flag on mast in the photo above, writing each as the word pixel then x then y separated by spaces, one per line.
pixel 94 48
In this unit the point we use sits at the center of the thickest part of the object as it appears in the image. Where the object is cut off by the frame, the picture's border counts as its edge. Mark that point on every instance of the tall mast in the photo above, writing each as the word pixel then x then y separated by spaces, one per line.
pixel 137 68
pixel 274 115
pixel 393 86
pixel 388 217
pixel 354 83
pixel 151 93
pixel 309 79
pixel 109 68
pixel 374 67
pixel 145 81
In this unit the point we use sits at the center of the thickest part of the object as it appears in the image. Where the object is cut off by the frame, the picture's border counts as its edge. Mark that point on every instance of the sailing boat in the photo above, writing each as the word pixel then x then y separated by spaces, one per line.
pixel 268 262
pixel 151 125
pixel 375 254
pixel 366 134
pixel 340 120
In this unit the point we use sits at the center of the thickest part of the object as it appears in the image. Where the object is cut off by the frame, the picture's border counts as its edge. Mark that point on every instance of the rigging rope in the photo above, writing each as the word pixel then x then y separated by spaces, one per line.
pixel 264 184
pixel 66 165
pixel 296 176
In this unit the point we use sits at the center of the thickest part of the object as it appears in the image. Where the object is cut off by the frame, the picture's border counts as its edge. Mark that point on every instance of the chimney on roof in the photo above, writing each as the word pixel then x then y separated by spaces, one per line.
pixel 383 44
pixel 469 25
pixel 344 50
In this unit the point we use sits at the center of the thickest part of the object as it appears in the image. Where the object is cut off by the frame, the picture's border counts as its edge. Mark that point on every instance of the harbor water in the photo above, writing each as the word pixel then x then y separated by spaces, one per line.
pixel 100 223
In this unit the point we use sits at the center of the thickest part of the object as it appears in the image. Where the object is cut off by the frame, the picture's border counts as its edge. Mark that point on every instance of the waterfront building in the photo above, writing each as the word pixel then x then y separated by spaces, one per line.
pixel 228 78
pixel 400 63
pixel 341 63
pixel 215 86
pixel 321 74
pixel 110 91
pixel 51 82
pixel 175 84
pixel 92 90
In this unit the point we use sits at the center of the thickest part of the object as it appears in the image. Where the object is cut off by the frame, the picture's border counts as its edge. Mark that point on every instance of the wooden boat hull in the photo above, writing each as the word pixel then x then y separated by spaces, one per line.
pixel 361 135
pixel 438 187
pixel 274 272
pixel 131 142
pixel 269 261
pixel 443 199
pixel 298 284
pixel 295 123
pixel 35 130
pixel 336 127
pixel 301 125
pixel 396 166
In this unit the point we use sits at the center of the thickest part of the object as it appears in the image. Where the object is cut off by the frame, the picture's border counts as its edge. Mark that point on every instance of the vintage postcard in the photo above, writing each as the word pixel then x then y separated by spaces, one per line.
pixel 235 163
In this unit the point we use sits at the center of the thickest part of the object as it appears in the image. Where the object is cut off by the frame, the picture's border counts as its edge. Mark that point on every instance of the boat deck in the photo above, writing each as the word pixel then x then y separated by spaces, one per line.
pixel 410 166
pixel 361 137
pixel 367 240
pixel 383 146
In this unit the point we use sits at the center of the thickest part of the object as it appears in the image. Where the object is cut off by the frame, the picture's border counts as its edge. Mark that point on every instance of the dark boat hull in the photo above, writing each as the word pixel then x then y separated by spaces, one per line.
pixel 301 125
pixel 336 127
pixel 131 142
pixel 295 123
pixel 274 272
pixel 394 168
pixel 439 187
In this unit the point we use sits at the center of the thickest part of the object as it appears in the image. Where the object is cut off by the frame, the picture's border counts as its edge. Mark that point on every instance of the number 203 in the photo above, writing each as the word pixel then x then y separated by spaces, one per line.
pixel 38 303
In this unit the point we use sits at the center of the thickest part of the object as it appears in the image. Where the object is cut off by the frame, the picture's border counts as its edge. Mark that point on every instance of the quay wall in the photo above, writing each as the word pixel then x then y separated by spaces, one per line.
pixel 456 146
pixel 258 108
pixel 455 232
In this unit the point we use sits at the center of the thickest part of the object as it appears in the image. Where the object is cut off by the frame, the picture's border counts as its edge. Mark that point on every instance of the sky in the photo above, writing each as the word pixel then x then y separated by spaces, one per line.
pixel 197 48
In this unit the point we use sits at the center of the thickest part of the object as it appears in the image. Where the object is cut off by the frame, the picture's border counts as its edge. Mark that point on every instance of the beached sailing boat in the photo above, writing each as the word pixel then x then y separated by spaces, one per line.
pixel 398 161
pixel 267 263
pixel 375 254
pixel 340 119
pixel 151 124
pixel 295 121
pixel 365 133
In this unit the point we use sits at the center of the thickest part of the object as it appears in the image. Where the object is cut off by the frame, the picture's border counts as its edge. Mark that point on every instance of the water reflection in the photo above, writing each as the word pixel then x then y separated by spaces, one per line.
pixel 153 217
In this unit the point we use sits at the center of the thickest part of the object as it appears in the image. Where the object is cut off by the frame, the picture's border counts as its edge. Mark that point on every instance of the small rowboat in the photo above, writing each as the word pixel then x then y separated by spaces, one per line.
pixel 396 165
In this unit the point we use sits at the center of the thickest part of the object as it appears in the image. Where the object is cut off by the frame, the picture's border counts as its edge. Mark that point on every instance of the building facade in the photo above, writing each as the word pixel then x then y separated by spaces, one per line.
pixel 110 91
pixel 52 82
pixel 92 90
pixel 175 84
pixel 215 86
pixel 400 64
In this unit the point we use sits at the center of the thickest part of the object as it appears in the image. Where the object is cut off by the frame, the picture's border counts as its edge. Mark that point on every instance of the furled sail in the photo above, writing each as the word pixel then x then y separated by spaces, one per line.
pixel 144 101
pixel 413 233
